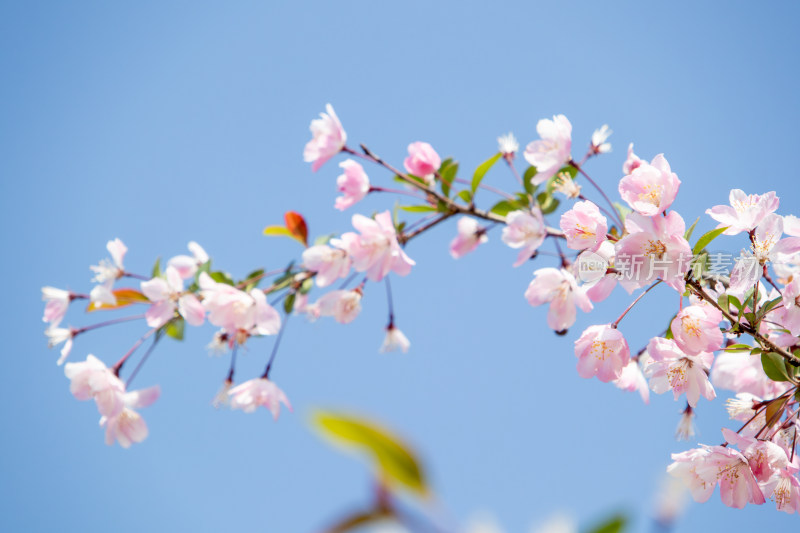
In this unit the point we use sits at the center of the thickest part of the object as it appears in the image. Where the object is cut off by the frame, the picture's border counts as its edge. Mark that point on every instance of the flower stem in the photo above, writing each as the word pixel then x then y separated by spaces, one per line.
pixel 142 361
pixel 118 365
pixel 275 347
pixel 625 312
pixel 596 186
pixel 107 323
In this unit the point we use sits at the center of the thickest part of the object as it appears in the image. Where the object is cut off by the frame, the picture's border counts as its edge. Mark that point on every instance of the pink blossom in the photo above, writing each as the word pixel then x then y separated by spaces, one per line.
pixel 91 379
pixel 107 272
pixel 329 263
pixel 767 243
pixel 650 188
pixel 688 467
pixel 696 329
pixel 632 162
pixel 354 184
pixel 376 250
pixel 327 139
pixel 561 291
pixel 237 311
pixel 584 226
pixel 745 212
pixel 524 230
pixel 602 351
pixel 552 151
pixel 765 458
pixel 790 315
pixel 395 340
pixel 654 248
pixel 127 426
pixel 631 379
pixel 791 225
pixel 592 268
pixel 742 372
pixel 56 336
pixel 470 235
pixel 672 369
pixel 166 295
pixel 784 489
pixel 731 470
pixel 344 306
pixel 56 305
pixel 422 161
pixel 258 392
pixel 187 265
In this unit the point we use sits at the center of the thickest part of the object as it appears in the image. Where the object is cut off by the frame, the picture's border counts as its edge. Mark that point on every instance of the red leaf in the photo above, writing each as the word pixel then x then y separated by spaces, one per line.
pixel 296 225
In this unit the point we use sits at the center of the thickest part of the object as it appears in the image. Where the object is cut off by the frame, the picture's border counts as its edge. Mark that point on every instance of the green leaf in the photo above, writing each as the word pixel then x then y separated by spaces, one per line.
pixel 466 196
pixel 174 328
pixel 615 524
pixel 394 463
pixel 447 175
pixel 413 178
pixel 547 203
pixel 774 366
pixel 530 188
pixel 156 272
pixel 324 239
pixel 288 303
pixel 623 211
pixel 221 277
pixel 768 306
pixel 306 286
pixel 253 284
pixel 689 231
pixel 482 169
pixel 706 239
pixel 503 207
pixel 738 348
pixel 417 208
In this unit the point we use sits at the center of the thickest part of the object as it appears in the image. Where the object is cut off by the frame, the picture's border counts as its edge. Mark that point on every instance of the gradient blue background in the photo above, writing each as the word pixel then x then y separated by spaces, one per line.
pixel 164 123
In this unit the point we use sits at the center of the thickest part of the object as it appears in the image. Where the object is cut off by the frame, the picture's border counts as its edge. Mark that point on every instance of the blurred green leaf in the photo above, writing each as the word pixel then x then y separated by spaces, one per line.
pixel 251 280
pixel 738 348
pixel 547 203
pixel 503 207
pixel 447 174
pixel 482 169
pixel 395 464
pixel 417 208
pixel 175 328
pixel 156 272
pixel 530 188
pixel 221 277
pixel 616 524
pixel 324 239
pixel 623 211
pixel 288 303
pixel 466 196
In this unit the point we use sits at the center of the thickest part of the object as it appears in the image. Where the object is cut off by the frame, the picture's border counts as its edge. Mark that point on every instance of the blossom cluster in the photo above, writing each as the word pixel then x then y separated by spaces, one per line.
pixel 637 243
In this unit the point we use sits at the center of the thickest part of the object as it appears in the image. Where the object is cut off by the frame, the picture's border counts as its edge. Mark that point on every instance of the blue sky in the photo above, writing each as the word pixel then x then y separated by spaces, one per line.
pixel 160 124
